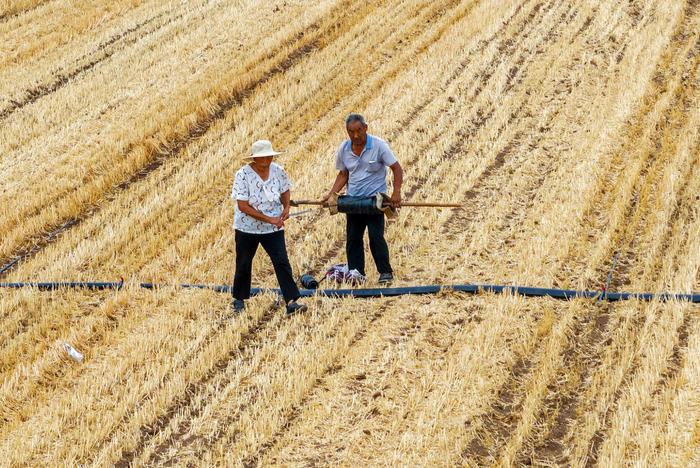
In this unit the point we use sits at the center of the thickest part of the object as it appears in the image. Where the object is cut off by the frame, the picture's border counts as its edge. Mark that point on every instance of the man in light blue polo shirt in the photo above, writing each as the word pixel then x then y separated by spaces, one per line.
pixel 361 162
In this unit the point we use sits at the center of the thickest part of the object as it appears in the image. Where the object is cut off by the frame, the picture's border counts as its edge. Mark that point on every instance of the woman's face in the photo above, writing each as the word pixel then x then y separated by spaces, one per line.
pixel 262 162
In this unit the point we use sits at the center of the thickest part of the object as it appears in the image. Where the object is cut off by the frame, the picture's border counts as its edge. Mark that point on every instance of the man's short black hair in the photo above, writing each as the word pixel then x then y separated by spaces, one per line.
pixel 355 118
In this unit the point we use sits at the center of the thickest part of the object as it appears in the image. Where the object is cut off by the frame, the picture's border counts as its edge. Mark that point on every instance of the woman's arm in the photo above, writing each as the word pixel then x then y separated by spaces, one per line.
pixel 285 199
pixel 245 207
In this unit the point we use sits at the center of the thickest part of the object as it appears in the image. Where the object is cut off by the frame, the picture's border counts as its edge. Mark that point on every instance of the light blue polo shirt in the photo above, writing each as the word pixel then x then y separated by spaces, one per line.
pixel 367 172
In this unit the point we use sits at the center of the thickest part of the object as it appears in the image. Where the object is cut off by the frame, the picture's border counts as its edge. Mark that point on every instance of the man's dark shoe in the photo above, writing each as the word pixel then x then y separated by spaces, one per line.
pixel 294 307
pixel 386 278
pixel 238 305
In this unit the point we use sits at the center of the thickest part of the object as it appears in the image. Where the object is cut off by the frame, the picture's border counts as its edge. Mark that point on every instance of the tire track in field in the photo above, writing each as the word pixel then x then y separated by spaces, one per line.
pixel 249 342
pixel 654 161
pixel 649 177
pixel 508 48
pixel 319 34
pixel 580 359
pixel 296 409
pixel 674 365
pixel 405 123
pixel 670 127
pixel 34 94
pixel 677 361
pixel 296 412
pixel 507 413
pixel 458 225
pixel 609 193
pixel 553 438
pixel 333 89
pixel 550 437
pixel 488 182
pixel 502 414
pixel 631 371
pixel 8 16
pixel 678 355
pixel 682 200
pixel 103 52
pixel 658 320
pixel 455 224
pixel 500 158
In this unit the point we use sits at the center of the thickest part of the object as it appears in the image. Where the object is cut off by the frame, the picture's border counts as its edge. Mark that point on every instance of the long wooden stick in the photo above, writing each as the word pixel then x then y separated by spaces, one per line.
pixel 431 205
pixel 413 204
pixel 305 202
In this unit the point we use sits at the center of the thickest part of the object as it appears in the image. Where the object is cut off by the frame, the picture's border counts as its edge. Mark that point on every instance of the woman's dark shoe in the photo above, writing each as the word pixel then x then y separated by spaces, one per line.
pixel 238 305
pixel 386 278
pixel 294 307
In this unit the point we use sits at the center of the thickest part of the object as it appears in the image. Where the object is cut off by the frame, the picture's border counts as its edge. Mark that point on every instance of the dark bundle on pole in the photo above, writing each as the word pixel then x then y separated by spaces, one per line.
pixel 359 205
pixel 376 204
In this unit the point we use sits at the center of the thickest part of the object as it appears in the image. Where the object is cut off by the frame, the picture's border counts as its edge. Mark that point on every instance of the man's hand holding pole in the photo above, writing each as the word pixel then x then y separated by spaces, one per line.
pixel 395 198
pixel 340 181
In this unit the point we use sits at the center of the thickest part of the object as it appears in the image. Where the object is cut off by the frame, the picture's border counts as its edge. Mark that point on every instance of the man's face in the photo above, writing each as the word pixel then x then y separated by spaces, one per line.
pixel 357 131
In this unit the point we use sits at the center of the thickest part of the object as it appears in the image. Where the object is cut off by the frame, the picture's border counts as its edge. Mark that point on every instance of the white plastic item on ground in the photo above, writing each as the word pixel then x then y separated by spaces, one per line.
pixel 73 353
pixel 340 273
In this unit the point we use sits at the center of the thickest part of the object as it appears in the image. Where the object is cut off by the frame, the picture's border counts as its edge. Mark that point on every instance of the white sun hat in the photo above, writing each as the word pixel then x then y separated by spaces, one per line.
pixel 262 148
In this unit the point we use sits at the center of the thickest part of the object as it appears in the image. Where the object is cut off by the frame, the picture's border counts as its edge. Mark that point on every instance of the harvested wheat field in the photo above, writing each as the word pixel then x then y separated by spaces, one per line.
pixel 569 130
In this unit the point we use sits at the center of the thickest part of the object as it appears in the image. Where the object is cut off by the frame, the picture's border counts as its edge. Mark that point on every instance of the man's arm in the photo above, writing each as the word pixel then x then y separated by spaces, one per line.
pixel 398 181
pixel 340 181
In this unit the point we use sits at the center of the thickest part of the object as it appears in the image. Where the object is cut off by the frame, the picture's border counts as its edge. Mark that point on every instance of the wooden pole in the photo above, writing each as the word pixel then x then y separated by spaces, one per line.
pixel 431 205
pixel 305 202
pixel 412 204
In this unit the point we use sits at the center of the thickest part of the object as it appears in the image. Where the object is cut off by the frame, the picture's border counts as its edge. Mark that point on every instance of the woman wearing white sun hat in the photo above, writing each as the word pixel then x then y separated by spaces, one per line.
pixel 261 190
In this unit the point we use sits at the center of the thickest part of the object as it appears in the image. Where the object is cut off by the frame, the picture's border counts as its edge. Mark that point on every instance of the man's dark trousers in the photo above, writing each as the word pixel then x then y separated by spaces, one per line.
pixel 273 243
pixel 355 249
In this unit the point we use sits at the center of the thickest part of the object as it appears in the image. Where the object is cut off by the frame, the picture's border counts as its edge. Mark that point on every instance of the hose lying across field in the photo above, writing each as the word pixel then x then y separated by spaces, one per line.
pixel 387 292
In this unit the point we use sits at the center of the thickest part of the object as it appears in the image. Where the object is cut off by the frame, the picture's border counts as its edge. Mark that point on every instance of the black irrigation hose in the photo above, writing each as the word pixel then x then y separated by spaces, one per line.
pixel 10 265
pixel 565 294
